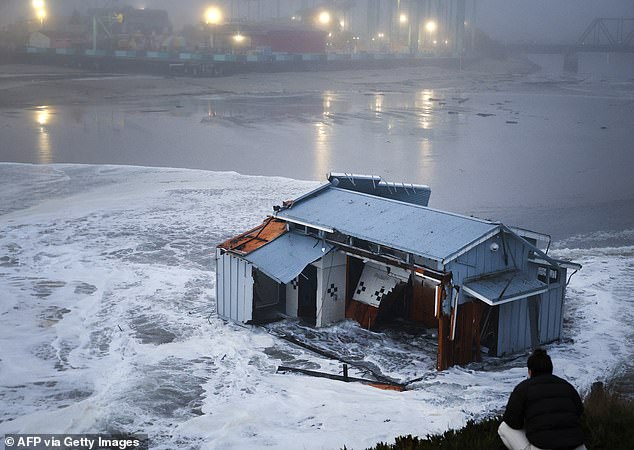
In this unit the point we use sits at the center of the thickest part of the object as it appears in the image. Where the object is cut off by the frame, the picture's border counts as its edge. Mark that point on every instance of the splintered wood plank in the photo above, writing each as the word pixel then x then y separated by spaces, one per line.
pixel 255 238
pixel 364 314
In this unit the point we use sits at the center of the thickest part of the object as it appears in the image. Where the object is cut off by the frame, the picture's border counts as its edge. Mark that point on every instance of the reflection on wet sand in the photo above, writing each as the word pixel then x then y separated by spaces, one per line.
pixel 42 116
pixel 323 149
pixel 424 104
pixel 327 102
pixel 378 104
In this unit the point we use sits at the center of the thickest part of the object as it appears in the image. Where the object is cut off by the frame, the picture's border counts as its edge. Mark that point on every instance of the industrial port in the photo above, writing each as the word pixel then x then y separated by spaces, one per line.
pixel 229 37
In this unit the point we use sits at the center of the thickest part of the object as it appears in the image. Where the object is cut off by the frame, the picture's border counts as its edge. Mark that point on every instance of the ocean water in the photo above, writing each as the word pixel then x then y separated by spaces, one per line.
pixel 107 287
pixel 550 151
pixel 109 322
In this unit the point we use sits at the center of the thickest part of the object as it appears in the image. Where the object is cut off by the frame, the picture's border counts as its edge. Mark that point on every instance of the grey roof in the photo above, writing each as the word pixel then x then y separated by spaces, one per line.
pixel 506 287
pixel 409 193
pixel 411 228
pixel 284 258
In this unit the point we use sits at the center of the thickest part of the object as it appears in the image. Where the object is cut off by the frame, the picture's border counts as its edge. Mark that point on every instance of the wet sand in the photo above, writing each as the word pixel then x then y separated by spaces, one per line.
pixel 31 85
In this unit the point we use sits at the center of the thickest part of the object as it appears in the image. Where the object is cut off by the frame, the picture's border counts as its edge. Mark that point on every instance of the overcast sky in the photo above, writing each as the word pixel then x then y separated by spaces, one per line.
pixel 507 20
pixel 545 20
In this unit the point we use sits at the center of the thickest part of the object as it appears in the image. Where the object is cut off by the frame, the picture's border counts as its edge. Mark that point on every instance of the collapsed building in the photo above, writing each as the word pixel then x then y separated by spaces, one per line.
pixel 360 248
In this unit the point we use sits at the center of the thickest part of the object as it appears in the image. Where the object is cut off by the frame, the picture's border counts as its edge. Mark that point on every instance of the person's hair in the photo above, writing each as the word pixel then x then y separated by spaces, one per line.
pixel 539 363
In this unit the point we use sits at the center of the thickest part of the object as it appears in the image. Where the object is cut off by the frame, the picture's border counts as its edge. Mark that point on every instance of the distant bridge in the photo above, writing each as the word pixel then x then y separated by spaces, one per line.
pixel 602 35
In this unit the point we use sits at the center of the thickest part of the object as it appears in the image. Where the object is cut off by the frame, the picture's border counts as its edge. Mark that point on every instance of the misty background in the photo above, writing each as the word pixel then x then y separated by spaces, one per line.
pixel 543 21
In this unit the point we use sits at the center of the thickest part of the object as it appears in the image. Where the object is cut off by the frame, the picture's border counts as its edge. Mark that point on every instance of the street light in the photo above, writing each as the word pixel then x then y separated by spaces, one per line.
pixel 431 27
pixel 213 15
pixel 40 10
pixel 324 18
pixel 402 19
pixel 41 14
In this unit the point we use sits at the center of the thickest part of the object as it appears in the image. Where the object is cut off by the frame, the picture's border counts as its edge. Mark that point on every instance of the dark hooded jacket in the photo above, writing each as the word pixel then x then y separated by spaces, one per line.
pixel 548 409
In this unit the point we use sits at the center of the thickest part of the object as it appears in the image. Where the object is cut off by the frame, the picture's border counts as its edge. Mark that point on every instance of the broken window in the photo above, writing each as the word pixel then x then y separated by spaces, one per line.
pixel 547 274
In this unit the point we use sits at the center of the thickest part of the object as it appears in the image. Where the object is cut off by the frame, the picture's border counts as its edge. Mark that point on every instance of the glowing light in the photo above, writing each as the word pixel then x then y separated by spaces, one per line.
pixel 326 102
pixel 381 35
pixel 402 18
pixel 378 104
pixel 41 14
pixel 239 38
pixel 342 23
pixel 40 9
pixel 324 18
pixel 425 105
pixel 323 148
pixel 430 26
pixel 213 15
pixel 42 116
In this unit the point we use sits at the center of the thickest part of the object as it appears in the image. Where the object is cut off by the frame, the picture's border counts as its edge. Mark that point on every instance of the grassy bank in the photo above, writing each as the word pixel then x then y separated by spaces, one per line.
pixel 608 422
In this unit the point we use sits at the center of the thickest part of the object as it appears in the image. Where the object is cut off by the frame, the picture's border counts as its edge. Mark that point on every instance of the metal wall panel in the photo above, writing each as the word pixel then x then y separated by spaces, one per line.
pixel 514 333
pixel 481 260
pixel 234 288
pixel 220 306
pixel 513 327
pixel 551 314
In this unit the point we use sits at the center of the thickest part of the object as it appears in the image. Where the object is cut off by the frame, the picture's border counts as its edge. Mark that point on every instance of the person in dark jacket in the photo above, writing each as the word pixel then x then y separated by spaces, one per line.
pixel 543 411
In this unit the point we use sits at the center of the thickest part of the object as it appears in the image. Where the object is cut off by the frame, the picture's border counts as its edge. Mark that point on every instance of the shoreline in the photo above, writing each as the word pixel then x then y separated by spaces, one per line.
pixel 26 85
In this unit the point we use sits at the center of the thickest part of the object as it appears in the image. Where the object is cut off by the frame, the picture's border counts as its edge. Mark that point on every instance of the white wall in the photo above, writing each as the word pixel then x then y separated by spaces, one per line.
pixel 39 40
pixel 234 287
pixel 331 288
pixel 292 297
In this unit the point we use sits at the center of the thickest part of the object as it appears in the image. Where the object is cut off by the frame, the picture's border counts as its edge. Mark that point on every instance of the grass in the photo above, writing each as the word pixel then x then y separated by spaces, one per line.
pixel 608 420
pixel 608 423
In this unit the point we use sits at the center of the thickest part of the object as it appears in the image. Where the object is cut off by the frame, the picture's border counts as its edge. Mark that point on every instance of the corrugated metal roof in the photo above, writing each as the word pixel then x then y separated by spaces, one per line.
pixel 403 226
pixel 504 288
pixel 284 258
pixel 417 194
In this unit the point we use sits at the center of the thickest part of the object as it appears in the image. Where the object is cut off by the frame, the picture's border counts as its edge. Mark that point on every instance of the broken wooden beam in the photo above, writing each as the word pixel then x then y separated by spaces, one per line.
pixel 313 373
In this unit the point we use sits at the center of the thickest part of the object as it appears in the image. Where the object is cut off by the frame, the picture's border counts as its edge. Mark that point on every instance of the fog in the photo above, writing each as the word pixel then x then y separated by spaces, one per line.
pixel 545 20
pixel 505 20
